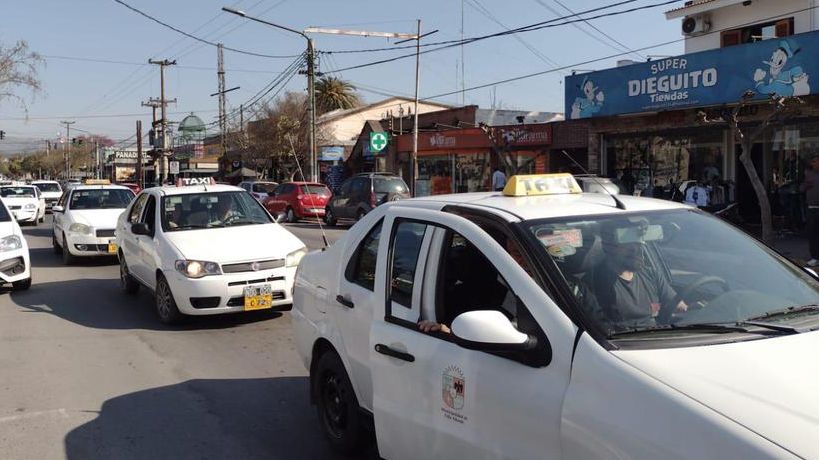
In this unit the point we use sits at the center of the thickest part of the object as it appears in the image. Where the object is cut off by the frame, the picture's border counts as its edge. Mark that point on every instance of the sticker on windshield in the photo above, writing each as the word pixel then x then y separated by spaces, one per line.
pixel 453 393
pixel 561 250
pixel 175 200
pixel 571 237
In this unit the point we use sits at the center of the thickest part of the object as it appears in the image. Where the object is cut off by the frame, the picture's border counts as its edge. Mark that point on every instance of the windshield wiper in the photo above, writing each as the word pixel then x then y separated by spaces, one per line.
pixel 774 327
pixel 786 311
pixel 713 328
pixel 243 222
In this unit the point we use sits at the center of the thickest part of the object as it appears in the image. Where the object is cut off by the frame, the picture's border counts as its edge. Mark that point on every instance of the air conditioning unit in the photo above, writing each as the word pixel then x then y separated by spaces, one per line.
pixel 695 25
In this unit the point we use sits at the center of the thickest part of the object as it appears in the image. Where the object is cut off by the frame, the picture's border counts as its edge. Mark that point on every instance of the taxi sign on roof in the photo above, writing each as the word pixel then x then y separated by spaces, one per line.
pixel 185 181
pixel 96 182
pixel 541 184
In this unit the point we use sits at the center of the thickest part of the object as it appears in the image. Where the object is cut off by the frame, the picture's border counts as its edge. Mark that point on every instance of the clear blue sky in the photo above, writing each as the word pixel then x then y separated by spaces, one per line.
pixel 103 29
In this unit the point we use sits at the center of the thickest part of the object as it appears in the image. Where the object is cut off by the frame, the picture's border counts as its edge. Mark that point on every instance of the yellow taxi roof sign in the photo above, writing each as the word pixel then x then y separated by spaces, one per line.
pixel 541 184
pixel 96 182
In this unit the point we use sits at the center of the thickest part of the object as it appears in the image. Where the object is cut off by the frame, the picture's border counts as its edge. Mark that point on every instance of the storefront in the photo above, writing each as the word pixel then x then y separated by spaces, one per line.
pixel 121 164
pixel 647 130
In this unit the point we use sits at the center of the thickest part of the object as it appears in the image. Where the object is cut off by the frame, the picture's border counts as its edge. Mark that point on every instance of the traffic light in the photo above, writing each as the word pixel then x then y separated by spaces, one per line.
pixel 2 135
pixel 79 141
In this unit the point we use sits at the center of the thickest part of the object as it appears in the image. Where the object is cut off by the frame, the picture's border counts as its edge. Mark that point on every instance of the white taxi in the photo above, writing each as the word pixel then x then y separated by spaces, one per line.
pixel 50 190
pixel 542 322
pixel 206 250
pixel 25 202
pixel 15 267
pixel 85 219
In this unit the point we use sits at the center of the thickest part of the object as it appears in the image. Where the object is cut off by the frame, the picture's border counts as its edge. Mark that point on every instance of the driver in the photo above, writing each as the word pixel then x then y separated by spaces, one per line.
pixel 630 293
pixel 225 210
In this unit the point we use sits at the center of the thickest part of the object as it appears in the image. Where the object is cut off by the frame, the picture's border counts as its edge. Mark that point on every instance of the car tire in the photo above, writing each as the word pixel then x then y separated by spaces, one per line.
pixel 338 410
pixel 166 308
pixel 330 217
pixel 54 244
pixel 290 216
pixel 22 285
pixel 68 258
pixel 127 282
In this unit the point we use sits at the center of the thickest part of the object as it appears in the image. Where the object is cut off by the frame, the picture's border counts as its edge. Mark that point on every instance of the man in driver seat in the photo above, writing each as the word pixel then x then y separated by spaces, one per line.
pixel 630 294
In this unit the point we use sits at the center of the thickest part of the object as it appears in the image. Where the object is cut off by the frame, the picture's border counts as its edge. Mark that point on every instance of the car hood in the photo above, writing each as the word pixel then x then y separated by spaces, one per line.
pixel 769 385
pixel 97 218
pixel 235 244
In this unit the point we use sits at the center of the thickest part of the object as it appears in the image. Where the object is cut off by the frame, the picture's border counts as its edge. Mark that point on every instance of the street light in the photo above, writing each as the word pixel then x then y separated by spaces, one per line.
pixel 311 96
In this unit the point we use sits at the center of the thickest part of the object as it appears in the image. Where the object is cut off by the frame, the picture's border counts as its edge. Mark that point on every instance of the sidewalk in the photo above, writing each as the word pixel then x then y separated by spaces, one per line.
pixel 792 246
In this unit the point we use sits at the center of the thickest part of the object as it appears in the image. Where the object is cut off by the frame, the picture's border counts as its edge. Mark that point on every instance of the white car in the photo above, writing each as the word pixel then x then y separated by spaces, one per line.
pixel 25 202
pixel 259 189
pixel 542 322
pixel 206 250
pixel 85 219
pixel 50 190
pixel 15 266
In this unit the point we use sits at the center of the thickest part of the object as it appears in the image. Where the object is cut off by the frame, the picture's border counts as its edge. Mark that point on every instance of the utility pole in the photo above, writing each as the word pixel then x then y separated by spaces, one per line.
pixel 164 151
pixel 68 148
pixel 139 175
pixel 220 73
pixel 242 118
pixel 414 162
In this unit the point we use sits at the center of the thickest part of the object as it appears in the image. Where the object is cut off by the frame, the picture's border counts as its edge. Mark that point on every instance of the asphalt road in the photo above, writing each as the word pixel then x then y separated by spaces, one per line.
pixel 87 372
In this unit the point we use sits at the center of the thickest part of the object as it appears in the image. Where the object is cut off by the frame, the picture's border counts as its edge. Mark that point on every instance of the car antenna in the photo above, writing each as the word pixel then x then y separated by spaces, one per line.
pixel 619 204
pixel 313 203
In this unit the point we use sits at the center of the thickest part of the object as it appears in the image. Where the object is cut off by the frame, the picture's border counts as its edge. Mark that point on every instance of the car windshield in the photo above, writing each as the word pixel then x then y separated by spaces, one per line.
pixel 668 270
pixel 101 198
pixel 4 214
pixel 264 187
pixel 48 187
pixel 389 185
pixel 314 189
pixel 17 192
pixel 211 210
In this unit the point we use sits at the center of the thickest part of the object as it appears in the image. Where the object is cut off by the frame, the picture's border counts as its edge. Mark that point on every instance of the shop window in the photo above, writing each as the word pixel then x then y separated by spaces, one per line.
pixel 757 32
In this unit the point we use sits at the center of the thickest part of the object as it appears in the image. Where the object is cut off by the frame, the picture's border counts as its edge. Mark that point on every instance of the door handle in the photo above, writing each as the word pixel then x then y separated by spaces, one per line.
pixel 347 303
pixel 385 350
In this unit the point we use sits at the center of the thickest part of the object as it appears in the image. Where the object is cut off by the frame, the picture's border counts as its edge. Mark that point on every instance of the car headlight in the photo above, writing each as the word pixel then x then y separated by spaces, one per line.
pixel 31 206
pixel 197 268
pixel 10 243
pixel 295 257
pixel 82 229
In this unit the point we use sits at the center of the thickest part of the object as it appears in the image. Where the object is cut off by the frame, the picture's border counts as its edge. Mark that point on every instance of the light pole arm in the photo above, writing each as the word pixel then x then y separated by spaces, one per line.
pixel 242 14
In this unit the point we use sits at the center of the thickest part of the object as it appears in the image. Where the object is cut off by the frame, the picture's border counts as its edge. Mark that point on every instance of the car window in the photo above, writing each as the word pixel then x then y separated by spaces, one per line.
pixel 18 192
pixel 360 185
pixel 264 187
pixel 314 189
pixel 48 187
pixel 345 187
pixel 136 209
pixel 4 214
pixel 406 246
pixel 210 210
pixel 361 269
pixel 149 217
pixel 111 198
pixel 389 185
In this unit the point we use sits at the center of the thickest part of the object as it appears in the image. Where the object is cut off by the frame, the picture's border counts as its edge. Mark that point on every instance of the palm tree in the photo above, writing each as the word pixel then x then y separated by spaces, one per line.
pixel 334 93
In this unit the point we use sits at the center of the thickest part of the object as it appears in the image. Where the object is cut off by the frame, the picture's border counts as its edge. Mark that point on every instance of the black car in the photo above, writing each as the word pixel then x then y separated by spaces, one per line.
pixel 361 193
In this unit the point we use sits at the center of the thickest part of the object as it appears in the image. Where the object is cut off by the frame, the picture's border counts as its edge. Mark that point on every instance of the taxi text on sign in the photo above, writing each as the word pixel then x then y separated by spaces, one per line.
pixel 541 184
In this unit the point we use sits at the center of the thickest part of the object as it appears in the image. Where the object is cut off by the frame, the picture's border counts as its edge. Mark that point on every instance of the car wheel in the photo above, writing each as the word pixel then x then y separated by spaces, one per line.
pixel 55 244
pixel 68 258
pixel 21 285
pixel 126 282
pixel 338 408
pixel 166 307
pixel 330 217
pixel 290 216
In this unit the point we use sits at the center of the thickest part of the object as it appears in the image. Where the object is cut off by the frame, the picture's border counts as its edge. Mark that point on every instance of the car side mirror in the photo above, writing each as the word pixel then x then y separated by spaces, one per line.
pixel 140 228
pixel 57 209
pixel 489 330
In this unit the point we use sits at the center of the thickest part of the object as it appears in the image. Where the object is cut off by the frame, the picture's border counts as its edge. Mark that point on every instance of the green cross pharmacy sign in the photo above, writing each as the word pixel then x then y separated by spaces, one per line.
pixel 378 142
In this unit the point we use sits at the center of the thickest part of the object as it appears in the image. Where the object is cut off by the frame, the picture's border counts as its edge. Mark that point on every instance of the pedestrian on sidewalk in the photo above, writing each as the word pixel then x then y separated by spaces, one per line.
pixel 498 180
pixel 811 188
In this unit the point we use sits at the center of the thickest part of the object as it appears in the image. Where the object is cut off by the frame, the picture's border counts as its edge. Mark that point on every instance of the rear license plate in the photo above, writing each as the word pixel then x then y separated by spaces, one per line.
pixel 258 297
pixel 112 248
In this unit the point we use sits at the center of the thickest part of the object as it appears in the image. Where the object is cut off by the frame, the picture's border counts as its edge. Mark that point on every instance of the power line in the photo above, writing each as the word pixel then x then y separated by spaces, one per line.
pixel 112 61
pixel 199 39
pixel 511 32
pixel 119 115
pixel 624 47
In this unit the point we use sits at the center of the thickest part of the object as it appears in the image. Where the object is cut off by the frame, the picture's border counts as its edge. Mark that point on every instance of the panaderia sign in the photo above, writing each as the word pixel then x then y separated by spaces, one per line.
pixel 781 66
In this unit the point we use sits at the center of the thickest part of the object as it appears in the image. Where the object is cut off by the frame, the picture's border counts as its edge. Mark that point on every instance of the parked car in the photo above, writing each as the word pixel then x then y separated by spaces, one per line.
pixel 206 250
pixel 298 200
pixel 25 202
pixel 50 190
pixel 362 193
pixel 259 189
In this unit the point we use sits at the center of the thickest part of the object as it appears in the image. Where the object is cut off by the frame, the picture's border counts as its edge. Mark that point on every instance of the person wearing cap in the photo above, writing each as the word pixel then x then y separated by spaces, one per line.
pixel 811 188
pixel 629 293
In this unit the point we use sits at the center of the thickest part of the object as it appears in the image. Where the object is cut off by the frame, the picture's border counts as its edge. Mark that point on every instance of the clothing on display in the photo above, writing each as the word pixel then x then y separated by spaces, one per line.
pixel 697 195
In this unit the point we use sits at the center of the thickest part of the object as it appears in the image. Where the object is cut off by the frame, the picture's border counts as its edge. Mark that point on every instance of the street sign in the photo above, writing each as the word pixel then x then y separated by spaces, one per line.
pixel 174 167
pixel 378 142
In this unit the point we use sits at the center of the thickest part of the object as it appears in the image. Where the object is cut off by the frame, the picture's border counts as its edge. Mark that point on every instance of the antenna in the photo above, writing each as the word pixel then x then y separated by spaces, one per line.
pixel 619 204
pixel 313 203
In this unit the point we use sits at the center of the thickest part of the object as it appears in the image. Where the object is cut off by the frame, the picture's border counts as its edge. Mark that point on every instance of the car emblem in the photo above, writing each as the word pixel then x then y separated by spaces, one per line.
pixel 254 266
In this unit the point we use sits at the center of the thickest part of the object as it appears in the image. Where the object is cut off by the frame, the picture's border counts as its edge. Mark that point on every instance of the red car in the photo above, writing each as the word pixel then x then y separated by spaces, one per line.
pixel 298 200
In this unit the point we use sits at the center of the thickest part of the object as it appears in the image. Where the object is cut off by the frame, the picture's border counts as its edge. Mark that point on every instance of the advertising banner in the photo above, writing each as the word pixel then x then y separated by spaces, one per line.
pixel 332 153
pixel 781 66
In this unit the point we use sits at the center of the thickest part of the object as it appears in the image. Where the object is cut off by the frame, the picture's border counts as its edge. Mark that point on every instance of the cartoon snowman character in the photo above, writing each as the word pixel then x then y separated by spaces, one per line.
pixel 591 103
pixel 777 80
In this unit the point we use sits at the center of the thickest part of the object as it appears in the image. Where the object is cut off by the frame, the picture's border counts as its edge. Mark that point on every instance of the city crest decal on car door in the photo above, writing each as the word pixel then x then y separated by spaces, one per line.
pixel 453 393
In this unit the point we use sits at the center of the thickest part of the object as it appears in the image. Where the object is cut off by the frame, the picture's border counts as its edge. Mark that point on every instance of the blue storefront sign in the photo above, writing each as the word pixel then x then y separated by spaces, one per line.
pixel 781 66
pixel 331 153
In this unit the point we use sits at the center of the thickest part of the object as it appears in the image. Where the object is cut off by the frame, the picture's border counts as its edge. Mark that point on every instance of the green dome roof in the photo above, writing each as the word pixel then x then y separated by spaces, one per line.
pixel 192 124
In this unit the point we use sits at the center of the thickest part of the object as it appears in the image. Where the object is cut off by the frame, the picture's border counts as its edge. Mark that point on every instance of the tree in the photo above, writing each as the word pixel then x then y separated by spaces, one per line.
pixel 18 71
pixel 782 108
pixel 334 93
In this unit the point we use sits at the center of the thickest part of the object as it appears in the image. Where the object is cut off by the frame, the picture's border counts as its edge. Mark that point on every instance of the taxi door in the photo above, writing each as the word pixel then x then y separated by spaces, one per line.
pixel 146 246
pixel 434 398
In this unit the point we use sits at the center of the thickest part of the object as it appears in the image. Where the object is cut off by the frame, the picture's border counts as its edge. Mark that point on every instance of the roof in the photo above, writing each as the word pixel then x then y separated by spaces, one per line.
pixel 169 190
pixel 44 182
pixel 542 207
pixel 699 6
pixel 339 113
pixel 97 187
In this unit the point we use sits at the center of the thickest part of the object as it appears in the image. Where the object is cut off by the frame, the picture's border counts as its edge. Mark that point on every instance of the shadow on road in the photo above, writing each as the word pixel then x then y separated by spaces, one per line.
pixel 46 258
pixel 267 418
pixel 98 303
pixel 43 230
